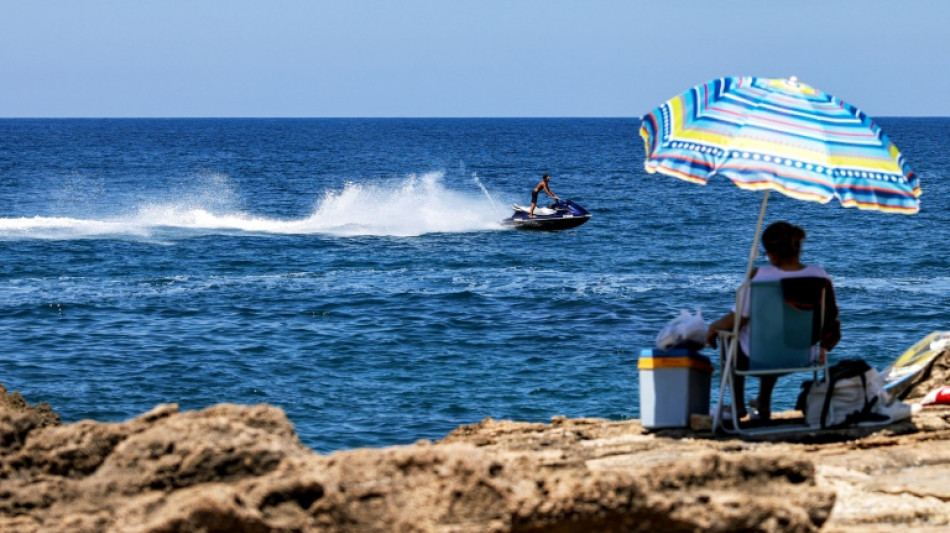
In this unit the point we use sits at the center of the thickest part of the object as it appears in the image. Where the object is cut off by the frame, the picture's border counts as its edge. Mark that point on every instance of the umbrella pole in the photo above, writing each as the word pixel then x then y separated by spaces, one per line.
pixel 725 379
pixel 754 252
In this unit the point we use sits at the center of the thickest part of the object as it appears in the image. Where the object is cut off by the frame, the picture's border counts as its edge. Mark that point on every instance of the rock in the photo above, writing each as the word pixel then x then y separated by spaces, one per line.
pixel 15 403
pixel 17 419
pixel 232 468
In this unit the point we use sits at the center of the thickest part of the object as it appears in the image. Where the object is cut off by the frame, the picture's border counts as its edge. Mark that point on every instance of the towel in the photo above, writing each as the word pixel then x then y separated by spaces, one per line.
pixel 805 293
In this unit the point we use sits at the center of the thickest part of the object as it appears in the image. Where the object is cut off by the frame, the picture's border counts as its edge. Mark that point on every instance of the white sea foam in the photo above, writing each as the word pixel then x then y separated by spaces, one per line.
pixel 66 228
pixel 411 206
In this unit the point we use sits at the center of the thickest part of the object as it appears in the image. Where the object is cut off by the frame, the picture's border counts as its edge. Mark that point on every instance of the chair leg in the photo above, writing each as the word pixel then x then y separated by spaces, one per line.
pixel 727 382
pixel 717 414
pixel 738 398
pixel 723 379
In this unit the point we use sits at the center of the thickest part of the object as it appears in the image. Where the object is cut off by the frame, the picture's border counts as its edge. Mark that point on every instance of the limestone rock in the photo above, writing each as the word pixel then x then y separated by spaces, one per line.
pixel 232 468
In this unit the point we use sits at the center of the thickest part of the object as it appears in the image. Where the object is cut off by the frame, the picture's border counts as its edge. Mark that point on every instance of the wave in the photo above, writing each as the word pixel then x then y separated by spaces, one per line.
pixel 411 206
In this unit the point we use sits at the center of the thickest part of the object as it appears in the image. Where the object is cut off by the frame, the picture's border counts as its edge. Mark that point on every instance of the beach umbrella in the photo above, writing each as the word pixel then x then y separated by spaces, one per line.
pixel 779 134
pixel 783 135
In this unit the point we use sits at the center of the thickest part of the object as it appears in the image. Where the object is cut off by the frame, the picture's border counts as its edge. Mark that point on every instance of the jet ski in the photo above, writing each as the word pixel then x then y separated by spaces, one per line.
pixel 562 214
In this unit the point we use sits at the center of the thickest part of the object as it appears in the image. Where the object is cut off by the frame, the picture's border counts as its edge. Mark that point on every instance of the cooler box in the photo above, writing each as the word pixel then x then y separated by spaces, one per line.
pixel 673 385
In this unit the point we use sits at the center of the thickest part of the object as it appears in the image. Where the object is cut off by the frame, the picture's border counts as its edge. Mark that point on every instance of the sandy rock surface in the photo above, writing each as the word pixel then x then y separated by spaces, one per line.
pixel 240 469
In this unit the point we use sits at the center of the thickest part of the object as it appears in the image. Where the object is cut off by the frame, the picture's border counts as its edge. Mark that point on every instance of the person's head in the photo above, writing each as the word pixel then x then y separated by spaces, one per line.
pixel 545 177
pixel 783 240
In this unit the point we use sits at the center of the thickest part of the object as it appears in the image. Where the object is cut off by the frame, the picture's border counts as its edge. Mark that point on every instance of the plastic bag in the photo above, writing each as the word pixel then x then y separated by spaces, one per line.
pixel 857 398
pixel 688 330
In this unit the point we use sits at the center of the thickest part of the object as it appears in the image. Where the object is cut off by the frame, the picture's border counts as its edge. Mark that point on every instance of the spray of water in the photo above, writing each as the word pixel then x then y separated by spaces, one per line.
pixel 410 206
pixel 413 206
pixel 485 190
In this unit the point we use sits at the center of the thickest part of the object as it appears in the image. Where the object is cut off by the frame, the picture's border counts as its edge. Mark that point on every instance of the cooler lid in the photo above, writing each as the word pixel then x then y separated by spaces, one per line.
pixel 651 359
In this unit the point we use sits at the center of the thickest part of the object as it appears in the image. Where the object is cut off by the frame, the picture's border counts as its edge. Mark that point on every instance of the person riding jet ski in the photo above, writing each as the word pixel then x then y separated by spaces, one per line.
pixel 541 186
pixel 562 214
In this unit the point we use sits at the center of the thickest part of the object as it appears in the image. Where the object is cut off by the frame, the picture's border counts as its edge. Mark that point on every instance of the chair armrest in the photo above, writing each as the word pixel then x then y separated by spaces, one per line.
pixel 726 338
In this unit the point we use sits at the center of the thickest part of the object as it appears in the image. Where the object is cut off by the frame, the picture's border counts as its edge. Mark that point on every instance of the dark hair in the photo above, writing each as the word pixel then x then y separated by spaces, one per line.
pixel 784 240
pixel 545 175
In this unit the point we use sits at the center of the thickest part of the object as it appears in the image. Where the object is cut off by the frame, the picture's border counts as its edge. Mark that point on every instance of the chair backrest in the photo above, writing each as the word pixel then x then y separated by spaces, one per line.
pixel 780 335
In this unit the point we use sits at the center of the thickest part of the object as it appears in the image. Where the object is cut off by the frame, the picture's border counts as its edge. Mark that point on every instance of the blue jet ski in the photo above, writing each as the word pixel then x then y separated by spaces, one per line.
pixel 562 214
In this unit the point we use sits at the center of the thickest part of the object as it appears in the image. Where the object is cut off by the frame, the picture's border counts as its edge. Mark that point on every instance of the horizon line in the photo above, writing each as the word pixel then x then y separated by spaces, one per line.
pixel 367 117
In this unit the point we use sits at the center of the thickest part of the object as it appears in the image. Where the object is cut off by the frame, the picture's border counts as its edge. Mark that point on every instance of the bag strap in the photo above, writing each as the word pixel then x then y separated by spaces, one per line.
pixel 863 414
pixel 864 390
pixel 827 403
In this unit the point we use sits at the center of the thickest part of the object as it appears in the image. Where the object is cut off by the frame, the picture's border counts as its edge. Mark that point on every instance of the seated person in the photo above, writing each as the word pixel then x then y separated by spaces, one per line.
pixel 783 245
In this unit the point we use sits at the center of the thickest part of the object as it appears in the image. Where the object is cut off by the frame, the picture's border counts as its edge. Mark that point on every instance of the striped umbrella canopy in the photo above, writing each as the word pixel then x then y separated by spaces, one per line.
pixel 782 135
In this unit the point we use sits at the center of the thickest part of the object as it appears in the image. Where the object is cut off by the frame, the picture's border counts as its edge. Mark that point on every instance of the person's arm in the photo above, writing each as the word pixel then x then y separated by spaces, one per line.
pixel 728 322
pixel 548 191
pixel 723 324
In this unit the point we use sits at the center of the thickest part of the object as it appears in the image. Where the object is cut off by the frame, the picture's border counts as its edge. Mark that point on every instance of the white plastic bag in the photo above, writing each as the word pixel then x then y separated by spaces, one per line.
pixel 854 402
pixel 686 330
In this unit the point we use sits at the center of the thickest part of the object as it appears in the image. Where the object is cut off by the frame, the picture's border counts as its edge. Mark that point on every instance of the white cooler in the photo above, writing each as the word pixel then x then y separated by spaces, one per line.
pixel 673 385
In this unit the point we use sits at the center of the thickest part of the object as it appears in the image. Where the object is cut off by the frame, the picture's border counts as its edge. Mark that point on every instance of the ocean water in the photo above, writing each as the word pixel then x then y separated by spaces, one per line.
pixel 354 273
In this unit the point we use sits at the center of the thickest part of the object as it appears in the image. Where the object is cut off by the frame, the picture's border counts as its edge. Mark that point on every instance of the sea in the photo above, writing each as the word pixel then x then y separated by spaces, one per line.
pixel 355 273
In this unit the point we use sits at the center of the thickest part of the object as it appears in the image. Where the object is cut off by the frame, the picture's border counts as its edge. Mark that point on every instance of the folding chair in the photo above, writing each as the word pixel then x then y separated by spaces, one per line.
pixel 782 340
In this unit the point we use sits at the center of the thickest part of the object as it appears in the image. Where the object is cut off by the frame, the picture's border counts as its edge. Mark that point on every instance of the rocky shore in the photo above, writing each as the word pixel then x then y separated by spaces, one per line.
pixel 242 469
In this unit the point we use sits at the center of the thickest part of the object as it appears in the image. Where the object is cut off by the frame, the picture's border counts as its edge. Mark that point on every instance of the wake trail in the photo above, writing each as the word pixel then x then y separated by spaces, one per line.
pixel 410 206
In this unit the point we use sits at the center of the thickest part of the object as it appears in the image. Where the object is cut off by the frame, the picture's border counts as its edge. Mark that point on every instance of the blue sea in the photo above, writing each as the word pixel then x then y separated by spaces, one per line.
pixel 354 273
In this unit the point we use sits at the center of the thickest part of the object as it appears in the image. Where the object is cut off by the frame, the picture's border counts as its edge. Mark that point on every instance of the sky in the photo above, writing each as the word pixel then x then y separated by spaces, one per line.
pixel 456 58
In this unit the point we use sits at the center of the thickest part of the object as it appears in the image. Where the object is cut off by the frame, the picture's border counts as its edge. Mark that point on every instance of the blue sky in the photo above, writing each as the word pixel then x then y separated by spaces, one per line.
pixel 456 58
